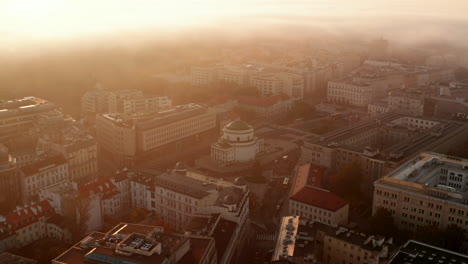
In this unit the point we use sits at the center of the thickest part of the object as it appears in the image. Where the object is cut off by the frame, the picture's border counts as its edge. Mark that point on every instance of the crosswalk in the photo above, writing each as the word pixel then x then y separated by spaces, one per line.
pixel 265 237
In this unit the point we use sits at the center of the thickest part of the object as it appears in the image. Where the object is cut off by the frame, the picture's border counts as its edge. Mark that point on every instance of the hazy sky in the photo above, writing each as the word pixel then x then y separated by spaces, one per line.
pixel 52 19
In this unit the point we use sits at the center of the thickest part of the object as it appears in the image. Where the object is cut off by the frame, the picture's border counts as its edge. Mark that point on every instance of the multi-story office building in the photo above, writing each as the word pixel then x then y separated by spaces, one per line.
pixel 381 144
pixel 319 205
pixel 300 240
pixel 133 243
pixel 18 116
pixel 42 173
pixel 124 139
pixel 238 144
pixel 9 189
pixel 182 195
pixel 428 189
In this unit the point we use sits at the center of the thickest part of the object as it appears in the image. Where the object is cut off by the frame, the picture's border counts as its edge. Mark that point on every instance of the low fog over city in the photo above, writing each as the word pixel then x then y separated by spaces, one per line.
pixel 233 132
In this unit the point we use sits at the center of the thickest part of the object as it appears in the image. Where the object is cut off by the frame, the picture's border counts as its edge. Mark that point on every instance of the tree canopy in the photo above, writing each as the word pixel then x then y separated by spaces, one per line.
pixel 381 223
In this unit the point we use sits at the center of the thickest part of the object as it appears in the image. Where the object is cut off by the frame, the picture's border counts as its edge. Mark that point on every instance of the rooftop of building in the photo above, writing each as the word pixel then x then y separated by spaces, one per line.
pixel 23 106
pixel 421 137
pixel 418 253
pixel 154 119
pixel 202 225
pixel 22 217
pixel 8 258
pixel 44 164
pixel 297 237
pixel 422 175
pixel 320 198
pixel 238 125
pixel 102 186
pixel 197 186
pixel 222 235
pixel 134 243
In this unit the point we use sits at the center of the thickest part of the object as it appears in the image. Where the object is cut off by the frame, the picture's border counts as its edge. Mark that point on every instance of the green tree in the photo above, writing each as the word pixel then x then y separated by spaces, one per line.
pixel 350 180
pixel 381 223
pixel 451 238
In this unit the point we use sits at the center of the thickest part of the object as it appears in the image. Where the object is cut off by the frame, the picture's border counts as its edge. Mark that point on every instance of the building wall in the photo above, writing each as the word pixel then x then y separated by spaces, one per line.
pixel 411 211
pixel 32 184
pixel 153 138
pixel 119 141
pixel 341 92
pixel 339 251
pixel 338 217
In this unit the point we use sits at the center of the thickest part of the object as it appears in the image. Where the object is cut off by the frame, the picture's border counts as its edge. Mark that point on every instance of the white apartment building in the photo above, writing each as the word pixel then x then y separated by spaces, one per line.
pixel 81 153
pixel 238 144
pixel 203 75
pixel 429 189
pixel 41 174
pixel 276 83
pixel 67 199
pixel 348 92
pixel 182 194
pixel 319 205
pixel 109 195
pixel 30 223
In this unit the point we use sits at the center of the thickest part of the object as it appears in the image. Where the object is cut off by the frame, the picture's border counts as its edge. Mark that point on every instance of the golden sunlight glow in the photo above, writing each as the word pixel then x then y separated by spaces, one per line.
pixel 64 18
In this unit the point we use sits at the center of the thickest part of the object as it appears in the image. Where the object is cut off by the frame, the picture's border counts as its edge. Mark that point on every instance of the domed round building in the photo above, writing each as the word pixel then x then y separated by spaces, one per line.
pixel 238 144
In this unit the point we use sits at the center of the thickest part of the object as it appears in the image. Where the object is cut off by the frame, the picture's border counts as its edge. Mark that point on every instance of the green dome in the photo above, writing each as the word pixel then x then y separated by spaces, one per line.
pixel 238 125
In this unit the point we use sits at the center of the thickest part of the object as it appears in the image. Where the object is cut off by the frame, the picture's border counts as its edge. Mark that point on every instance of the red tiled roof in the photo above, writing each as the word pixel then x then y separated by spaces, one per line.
pixel 262 101
pixel 316 174
pixel 319 198
pixel 25 216
pixel 103 186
